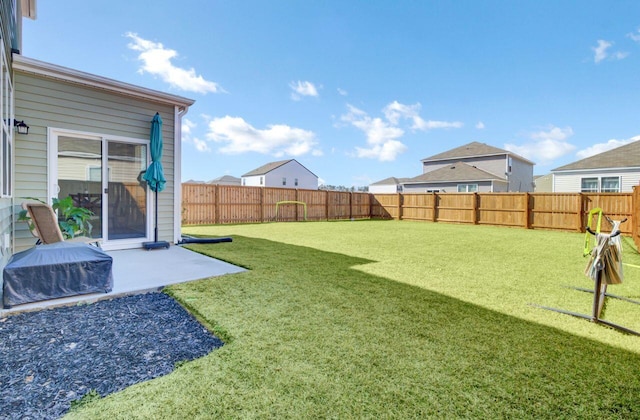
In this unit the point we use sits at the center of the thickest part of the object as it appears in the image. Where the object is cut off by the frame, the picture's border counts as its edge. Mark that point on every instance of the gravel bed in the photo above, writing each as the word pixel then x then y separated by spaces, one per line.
pixel 52 357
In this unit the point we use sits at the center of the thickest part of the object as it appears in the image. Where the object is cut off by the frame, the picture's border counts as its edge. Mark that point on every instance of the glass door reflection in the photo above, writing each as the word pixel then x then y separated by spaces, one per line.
pixel 127 192
pixel 80 176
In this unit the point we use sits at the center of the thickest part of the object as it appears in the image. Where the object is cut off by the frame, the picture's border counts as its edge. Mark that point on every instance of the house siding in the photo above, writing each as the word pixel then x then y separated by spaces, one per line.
pixel 383 189
pixel 290 171
pixel 570 182
pixel 446 187
pixel 47 103
pixel 521 176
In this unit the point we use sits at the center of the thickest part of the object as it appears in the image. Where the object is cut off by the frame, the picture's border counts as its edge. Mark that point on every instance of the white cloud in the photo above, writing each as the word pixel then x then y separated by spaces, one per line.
pixel 603 147
pixel 381 135
pixel 187 131
pixel 343 92
pixel 277 140
pixel 385 152
pixel 601 52
pixel 480 125
pixel 634 36
pixel 301 89
pixel 546 145
pixel 156 60
pixel 396 111
pixel 420 124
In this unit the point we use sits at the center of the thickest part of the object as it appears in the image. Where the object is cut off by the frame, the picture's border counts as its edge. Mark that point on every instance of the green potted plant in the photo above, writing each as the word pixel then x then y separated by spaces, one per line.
pixel 73 221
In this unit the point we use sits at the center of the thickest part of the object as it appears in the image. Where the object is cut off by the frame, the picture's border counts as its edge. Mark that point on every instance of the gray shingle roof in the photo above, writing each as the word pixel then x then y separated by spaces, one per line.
pixel 225 178
pixel 470 150
pixel 392 180
pixel 457 172
pixel 267 168
pixel 627 156
pixel 264 169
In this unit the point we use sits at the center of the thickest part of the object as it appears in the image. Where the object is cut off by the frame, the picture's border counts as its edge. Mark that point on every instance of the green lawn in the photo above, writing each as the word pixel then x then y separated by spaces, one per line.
pixel 386 319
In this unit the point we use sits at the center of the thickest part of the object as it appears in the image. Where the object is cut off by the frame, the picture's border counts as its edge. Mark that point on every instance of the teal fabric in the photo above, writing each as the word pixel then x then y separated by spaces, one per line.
pixel 155 174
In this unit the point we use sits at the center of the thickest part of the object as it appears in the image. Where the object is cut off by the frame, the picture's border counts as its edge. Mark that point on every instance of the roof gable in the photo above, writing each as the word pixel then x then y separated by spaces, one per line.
pixel 459 171
pixel 627 156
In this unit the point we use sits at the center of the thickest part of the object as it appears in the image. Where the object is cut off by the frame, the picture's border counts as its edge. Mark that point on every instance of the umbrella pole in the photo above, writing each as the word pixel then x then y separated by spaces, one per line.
pixel 155 235
pixel 156 243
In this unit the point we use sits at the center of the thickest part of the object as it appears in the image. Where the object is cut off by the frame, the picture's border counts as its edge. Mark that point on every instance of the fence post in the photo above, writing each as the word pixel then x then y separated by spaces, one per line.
pixel 635 213
pixel 527 211
pixel 399 206
pixel 326 203
pixel 216 204
pixel 261 205
pixel 475 208
pixel 351 205
pixel 434 217
pixel 579 218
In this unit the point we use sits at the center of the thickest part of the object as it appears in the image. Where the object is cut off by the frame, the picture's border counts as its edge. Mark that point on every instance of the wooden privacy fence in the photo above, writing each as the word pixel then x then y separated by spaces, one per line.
pixel 527 210
pixel 220 204
pixel 216 204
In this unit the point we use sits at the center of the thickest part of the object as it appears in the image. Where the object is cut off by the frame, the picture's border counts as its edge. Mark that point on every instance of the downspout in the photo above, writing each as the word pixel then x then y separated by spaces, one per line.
pixel 177 172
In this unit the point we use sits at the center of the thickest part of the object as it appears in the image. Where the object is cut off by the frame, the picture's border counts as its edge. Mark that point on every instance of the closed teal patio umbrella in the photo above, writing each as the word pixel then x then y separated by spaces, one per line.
pixel 155 175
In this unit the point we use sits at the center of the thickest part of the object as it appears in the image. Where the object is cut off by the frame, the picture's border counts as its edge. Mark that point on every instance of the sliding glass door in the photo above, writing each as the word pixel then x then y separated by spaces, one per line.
pixel 105 176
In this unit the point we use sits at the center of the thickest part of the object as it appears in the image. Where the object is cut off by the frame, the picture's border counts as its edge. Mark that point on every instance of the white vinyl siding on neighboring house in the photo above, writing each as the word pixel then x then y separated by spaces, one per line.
pixel 596 181
pixel 281 176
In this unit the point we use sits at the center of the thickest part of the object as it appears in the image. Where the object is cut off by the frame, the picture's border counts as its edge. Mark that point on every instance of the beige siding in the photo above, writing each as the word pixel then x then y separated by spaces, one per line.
pixel 46 103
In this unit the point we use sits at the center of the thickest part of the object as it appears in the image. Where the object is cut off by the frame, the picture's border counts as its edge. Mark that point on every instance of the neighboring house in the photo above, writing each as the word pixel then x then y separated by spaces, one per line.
pixel 616 170
pixel 225 180
pixel 474 167
pixel 89 139
pixel 282 174
pixel 389 185
pixel 456 177
pixel 543 183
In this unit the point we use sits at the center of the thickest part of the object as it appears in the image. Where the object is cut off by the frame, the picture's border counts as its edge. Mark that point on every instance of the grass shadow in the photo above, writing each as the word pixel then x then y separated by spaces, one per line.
pixel 313 337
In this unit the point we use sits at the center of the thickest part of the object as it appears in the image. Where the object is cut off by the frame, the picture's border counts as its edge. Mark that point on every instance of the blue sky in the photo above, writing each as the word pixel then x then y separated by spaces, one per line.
pixel 358 91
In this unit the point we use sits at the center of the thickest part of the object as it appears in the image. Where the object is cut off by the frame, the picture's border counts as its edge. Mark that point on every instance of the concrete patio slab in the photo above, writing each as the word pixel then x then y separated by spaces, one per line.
pixel 140 271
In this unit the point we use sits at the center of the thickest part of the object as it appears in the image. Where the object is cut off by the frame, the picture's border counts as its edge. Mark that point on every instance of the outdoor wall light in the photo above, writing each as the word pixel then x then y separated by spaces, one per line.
pixel 21 127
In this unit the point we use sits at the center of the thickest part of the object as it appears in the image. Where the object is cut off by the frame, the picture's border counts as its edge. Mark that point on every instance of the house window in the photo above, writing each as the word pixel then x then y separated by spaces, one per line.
pixel 6 130
pixel 295 181
pixel 467 187
pixel 95 173
pixel 244 181
pixel 284 181
pixel 610 184
pixel 261 180
pixel 589 185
